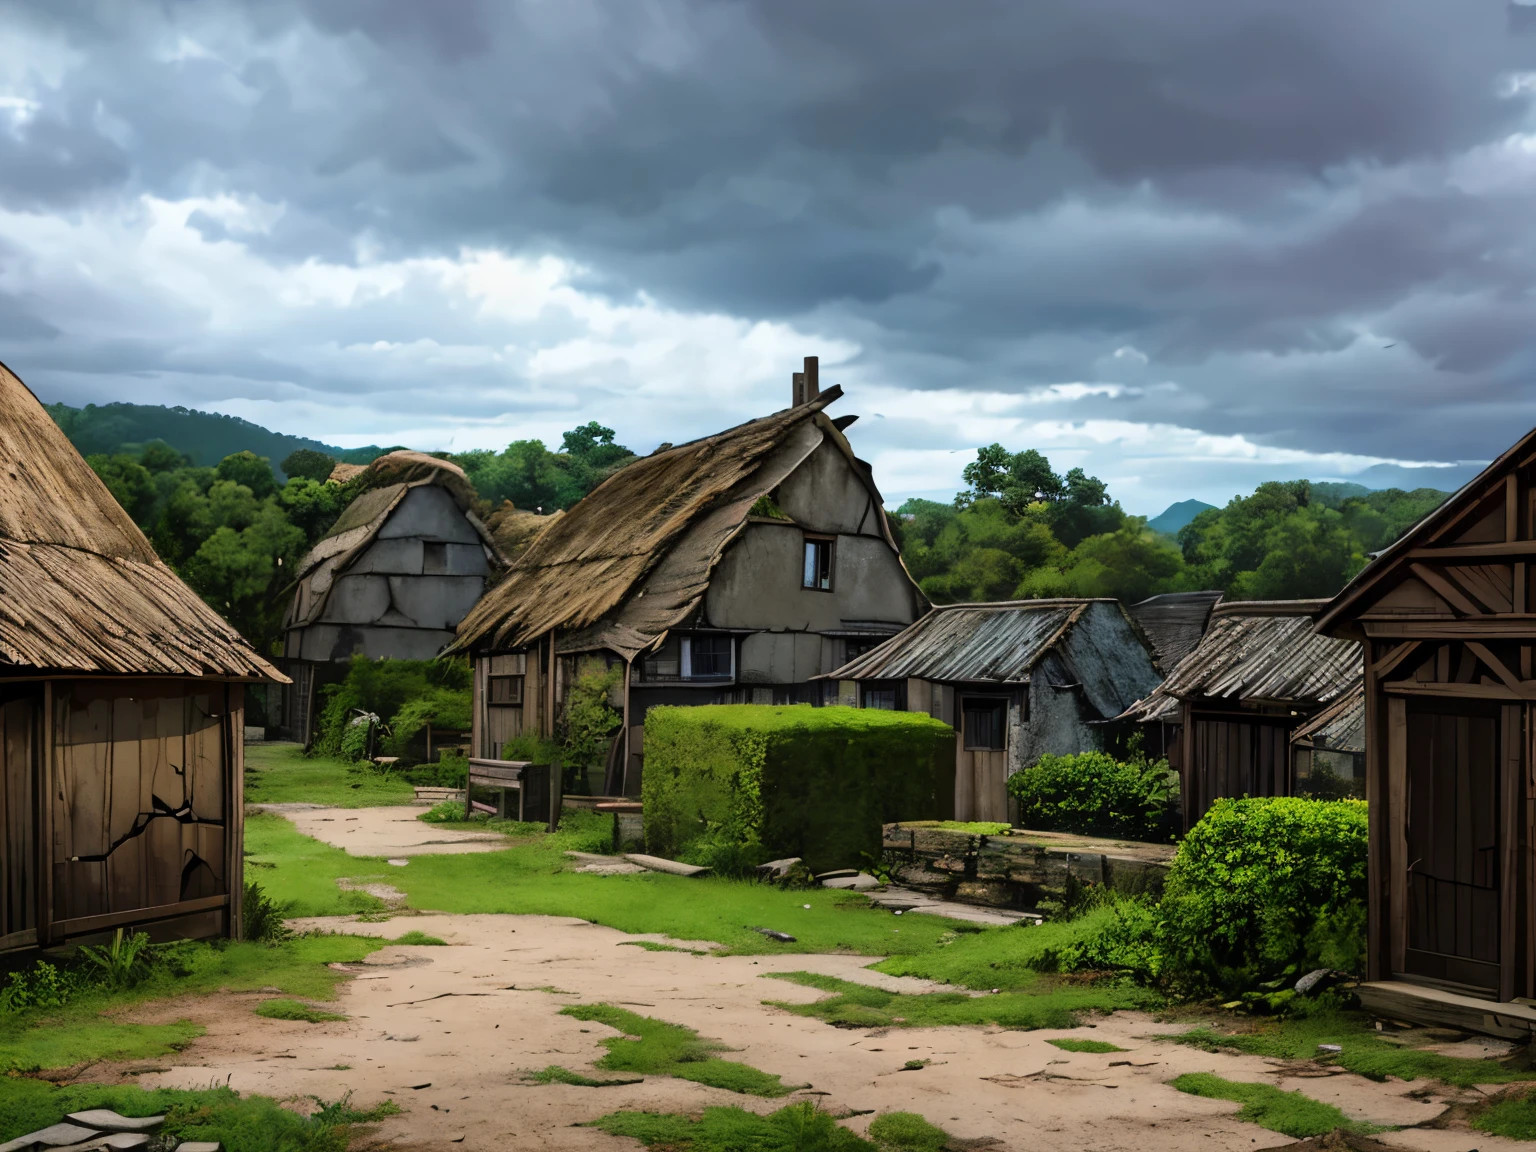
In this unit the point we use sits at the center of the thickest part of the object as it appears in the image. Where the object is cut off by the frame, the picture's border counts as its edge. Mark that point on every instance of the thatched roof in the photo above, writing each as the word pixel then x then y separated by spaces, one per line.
pixel 389 479
pixel 514 529
pixel 81 590
pixel 634 558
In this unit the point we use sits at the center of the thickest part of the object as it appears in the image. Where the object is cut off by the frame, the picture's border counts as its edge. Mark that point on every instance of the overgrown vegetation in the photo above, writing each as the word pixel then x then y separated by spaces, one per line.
pixel 531 476
pixel 1074 1044
pixel 1097 794
pixel 239 1123
pixel 1293 1113
pixel 793 1128
pixel 405 694
pixel 653 1047
pixel 1039 1003
pixel 588 724
pixel 1019 530
pixel 733 785
pixel 283 1008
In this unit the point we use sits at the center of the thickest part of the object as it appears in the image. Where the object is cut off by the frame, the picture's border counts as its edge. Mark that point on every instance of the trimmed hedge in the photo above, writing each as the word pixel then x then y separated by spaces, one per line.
pixel 1095 794
pixel 750 782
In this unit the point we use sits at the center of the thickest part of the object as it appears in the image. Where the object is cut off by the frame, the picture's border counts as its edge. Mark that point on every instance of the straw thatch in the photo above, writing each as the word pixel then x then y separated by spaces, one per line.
pixel 80 587
pixel 389 479
pixel 635 556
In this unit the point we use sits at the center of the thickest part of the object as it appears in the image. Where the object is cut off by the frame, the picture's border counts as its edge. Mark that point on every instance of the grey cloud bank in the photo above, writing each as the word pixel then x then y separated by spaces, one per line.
pixel 1190 245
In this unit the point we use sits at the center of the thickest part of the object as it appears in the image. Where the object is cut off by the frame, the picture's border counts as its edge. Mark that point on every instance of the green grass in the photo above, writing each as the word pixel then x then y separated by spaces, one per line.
pixel 1363 1050
pixel 1049 1004
pixel 240 1123
pixel 653 946
pixel 972 827
pixel 79 1032
pixel 651 1047
pixel 282 774
pixel 300 872
pixel 1002 958
pixel 418 938
pixel 284 1009
pixel 555 1074
pixel 1072 1044
pixel 794 1128
pixel 1290 1113
pixel 1513 1117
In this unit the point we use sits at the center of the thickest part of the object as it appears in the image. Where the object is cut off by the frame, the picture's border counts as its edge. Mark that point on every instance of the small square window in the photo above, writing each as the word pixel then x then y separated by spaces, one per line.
pixel 986 723
pixel 710 657
pixel 818 565
pixel 507 690
pixel 434 558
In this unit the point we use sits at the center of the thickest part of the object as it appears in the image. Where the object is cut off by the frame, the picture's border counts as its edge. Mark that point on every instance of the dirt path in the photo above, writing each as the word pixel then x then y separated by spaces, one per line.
pixel 467 1019
pixel 391 832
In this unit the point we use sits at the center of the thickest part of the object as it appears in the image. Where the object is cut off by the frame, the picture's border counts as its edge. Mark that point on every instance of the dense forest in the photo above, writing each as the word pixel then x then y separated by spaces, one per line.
pixel 1019 531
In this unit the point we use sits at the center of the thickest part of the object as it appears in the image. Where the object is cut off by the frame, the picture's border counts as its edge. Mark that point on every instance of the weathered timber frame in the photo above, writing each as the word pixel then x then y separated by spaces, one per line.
pixel 1444 617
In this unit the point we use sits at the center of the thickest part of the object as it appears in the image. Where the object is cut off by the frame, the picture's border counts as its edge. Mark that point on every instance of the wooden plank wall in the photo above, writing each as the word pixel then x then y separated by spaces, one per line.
pixel 19 748
pixel 145 775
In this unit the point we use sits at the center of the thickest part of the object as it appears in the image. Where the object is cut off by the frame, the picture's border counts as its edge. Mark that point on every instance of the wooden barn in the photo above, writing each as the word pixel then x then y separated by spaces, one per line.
pixel 1259 673
pixel 1445 617
pixel 733 569
pixel 1015 680
pixel 121 713
pixel 392 579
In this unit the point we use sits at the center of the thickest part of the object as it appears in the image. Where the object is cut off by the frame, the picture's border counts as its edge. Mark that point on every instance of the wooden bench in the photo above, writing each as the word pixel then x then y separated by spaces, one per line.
pixel 537 790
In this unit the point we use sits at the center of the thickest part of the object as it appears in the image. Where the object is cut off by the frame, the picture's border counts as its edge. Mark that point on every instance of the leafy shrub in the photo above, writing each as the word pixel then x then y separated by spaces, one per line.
pixel 261 916
pixel 121 964
pixel 445 812
pixel 383 688
pixel 1263 889
pixel 43 985
pixel 589 722
pixel 1096 794
pixel 790 781
pixel 450 708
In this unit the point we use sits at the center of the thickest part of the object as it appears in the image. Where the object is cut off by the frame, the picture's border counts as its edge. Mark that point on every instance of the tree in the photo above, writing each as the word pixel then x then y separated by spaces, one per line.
pixel 251 470
pixel 129 482
pixel 307 464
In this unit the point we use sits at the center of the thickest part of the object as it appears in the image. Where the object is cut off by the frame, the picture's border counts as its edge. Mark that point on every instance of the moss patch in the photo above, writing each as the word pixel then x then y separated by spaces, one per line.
pixel 283 1009
pixel 1049 1004
pixel 418 938
pixel 653 946
pixel 653 1047
pixel 555 1074
pixel 1292 1113
pixel 1072 1044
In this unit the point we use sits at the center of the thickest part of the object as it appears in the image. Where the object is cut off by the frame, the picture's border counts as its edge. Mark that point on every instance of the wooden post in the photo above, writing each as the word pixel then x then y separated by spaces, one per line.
pixel 629 671
pixel 1512 789
pixel 234 797
pixel 45 787
pixel 1396 825
pixel 1377 882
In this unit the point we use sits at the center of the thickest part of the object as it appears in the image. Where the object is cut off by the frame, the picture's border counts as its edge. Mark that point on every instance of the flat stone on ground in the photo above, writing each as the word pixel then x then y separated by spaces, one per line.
pixel 110 1121
pixel 53 1136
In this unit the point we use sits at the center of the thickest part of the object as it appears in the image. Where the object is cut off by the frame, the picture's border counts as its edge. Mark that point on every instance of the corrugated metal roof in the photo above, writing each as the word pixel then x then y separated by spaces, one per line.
pixel 1259 651
pixel 1175 622
pixel 985 643
pixel 1339 727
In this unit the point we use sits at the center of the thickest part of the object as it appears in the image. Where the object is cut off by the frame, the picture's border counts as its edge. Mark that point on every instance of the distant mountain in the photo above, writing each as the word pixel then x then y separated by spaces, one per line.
pixel 206 437
pixel 1175 516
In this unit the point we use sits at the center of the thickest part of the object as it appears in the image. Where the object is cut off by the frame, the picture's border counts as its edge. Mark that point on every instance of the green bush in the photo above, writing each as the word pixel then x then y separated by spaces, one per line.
pixel 588 724
pixel 1096 794
pixel 1264 889
pixel 385 688
pixel 450 708
pixel 790 781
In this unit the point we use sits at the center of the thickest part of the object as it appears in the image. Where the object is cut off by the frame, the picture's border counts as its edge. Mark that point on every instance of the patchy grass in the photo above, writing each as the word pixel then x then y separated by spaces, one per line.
pixel 239 1123
pixel 1049 1004
pixel 1513 1116
pixel 653 946
pixel 83 1029
pixel 282 774
pixel 1291 1113
pixel 795 1128
pixel 300 873
pixel 971 827
pixel 419 938
pixel 555 1074
pixel 1004 958
pixel 651 1047
pixel 284 1009
pixel 1363 1050
pixel 1073 1044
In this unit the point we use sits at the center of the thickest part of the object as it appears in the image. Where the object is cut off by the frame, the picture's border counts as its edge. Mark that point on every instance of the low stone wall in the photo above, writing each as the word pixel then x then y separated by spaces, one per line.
pixel 1019 868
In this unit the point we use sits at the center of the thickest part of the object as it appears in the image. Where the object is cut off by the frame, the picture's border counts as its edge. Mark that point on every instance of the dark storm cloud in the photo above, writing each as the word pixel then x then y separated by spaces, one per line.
pixel 1258 196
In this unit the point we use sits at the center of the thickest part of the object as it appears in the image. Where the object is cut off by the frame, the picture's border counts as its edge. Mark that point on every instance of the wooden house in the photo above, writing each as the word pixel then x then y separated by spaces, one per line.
pixel 1015 680
pixel 121 713
pixel 1259 673
pixel 733 569
pixel 392 579
pixel 1175 622
pixel 1445 618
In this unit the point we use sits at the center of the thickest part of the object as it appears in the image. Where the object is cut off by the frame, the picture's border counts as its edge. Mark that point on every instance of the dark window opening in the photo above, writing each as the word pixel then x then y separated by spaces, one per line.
pixel 880 698
pixel 818 565
pixel 857 646
pixel 710 657
pixel 663 664
pixel 507 690
pixel 434 558
pixel 985 724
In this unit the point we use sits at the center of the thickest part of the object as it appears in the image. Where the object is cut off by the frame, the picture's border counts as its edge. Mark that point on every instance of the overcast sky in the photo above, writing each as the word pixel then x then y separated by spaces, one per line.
pixel 1189 244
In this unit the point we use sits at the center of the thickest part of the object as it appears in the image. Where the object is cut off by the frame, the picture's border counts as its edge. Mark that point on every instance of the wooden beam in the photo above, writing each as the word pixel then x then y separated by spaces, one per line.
pixel 44 855
pixel 1460 691
pixel 1377 961
pixel 1512 507
pixel 82 925
pixel 1509 867
pixel 26 938
pixel 1483 653
pixel 1495 551
pixel 1397 861
pixel 1392 659
pixel 1446 590
pixel 1440 628
pixel 1522 585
